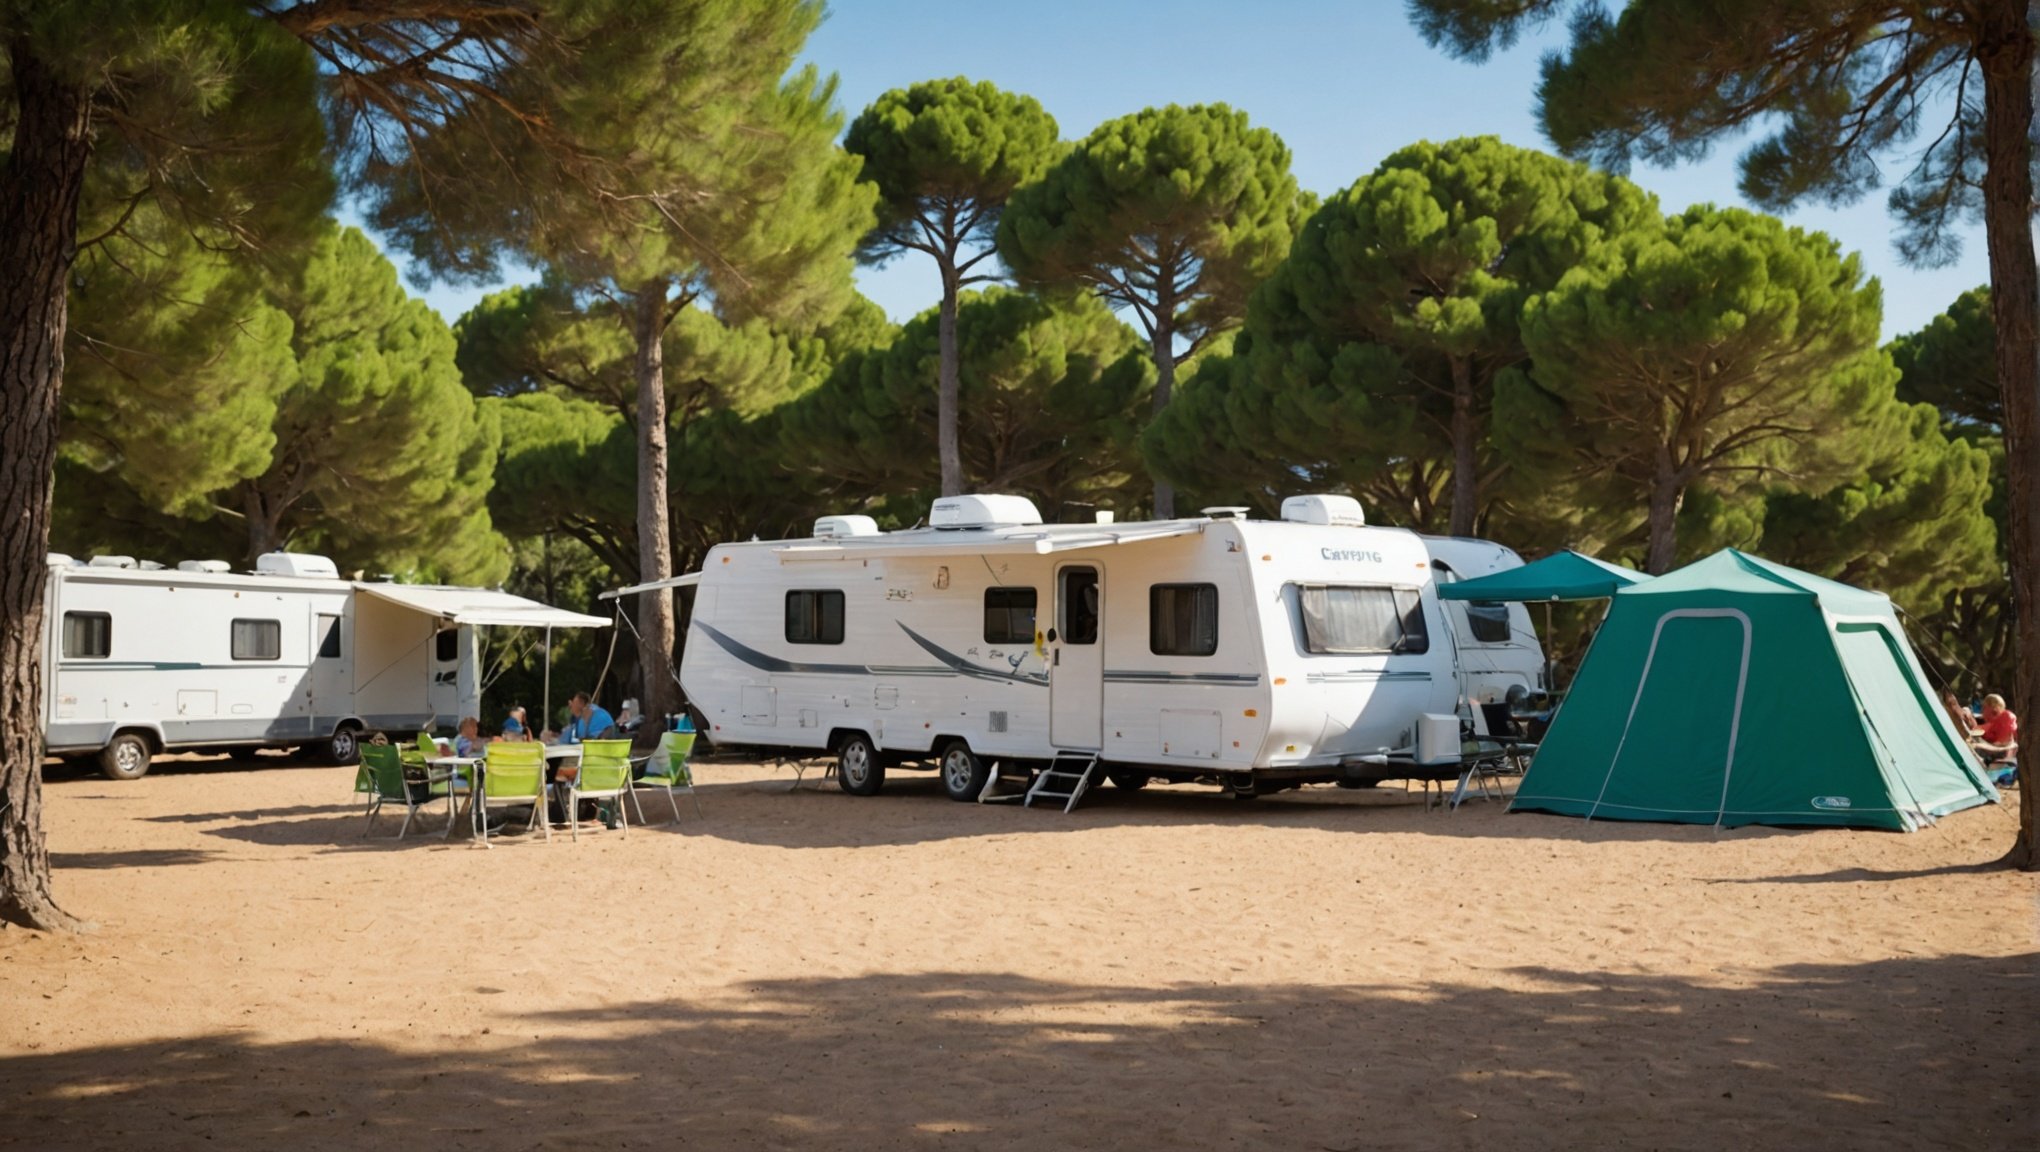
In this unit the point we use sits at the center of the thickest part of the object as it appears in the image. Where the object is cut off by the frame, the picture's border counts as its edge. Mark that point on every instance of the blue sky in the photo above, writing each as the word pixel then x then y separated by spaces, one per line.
pixel 1344 82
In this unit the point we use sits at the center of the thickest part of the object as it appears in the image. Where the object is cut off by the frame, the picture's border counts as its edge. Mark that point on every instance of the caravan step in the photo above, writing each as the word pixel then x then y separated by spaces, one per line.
pixel 1077 767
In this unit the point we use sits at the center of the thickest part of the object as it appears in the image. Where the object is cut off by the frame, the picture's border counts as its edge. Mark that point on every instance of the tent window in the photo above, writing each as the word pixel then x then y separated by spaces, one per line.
pixel 1489 621
pixel 814 617
pixel 88 635
pixel 1009 615
pixel 1183 619
pixel 257 640
pixel 1343 619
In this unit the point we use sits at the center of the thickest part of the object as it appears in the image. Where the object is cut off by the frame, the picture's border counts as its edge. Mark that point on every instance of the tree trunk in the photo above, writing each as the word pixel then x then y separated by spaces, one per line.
pixel 655 540
pixel 1465 468
pixel 1163 342
pixel 264 530
pixel 39 190
pixel 2005 49
pixel 947 392
pixel 1666 494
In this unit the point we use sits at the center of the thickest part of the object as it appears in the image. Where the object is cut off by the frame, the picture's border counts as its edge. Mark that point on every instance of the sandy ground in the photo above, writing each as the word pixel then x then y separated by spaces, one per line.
pixel 1172 969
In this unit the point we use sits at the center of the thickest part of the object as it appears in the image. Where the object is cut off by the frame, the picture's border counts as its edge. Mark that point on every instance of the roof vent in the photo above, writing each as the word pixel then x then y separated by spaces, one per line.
pixel 834 527
pixel 111 562
pixel 1226 512
pixel 60 560
pixel 1341 510
pixel 982 512
pixel 213 566
pixel 295 564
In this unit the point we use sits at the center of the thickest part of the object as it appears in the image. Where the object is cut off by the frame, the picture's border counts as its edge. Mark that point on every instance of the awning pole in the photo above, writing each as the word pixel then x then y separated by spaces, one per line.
pixel 1550 683
pixel 545 717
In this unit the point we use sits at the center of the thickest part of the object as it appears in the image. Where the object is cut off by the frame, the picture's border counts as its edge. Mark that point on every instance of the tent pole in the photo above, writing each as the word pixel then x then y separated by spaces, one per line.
pixel 545 717
pixel 1550 684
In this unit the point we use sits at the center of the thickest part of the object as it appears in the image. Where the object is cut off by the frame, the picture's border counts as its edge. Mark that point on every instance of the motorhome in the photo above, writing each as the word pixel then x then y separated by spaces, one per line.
pixel 140 659
pixel 1256 654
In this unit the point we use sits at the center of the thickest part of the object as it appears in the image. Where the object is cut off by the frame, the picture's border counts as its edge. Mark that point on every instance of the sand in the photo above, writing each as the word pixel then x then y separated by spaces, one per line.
pixel 804 969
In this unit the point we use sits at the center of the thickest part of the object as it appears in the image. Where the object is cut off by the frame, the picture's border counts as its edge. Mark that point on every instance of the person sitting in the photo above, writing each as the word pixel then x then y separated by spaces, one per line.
pixel 1997 741
pixel 627 718
pixel 591 721
pixel 1965 720
pixel 514 725
pixel 469 742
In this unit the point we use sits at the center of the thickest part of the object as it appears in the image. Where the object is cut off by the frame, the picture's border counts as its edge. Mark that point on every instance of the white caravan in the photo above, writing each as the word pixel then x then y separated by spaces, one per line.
pixel 1256 654
pixel 140 659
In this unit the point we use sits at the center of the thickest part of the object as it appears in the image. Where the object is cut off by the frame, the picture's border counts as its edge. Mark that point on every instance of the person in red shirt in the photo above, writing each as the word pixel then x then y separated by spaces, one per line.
pixel 1998 739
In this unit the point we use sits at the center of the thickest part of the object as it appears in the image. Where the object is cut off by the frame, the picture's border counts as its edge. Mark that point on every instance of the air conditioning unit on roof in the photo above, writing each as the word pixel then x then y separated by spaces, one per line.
pixel 983 512
pixel 1323 509
pixel 295 564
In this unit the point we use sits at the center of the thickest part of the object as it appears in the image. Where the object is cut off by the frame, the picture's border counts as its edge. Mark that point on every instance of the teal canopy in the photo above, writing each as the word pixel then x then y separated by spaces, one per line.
pixel 1564 575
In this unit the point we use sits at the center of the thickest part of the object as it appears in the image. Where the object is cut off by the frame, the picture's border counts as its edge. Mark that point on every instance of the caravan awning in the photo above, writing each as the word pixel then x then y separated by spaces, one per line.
pixel 1564 575
pixel 480 606
pixel 1026 543
pixel 687 580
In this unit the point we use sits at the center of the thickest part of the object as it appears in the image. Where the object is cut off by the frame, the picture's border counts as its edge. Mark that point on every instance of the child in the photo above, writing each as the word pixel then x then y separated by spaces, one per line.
pixel 470 742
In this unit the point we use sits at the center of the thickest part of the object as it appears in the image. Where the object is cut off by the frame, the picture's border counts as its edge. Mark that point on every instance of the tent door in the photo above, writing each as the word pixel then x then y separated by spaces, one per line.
pixel 1678 745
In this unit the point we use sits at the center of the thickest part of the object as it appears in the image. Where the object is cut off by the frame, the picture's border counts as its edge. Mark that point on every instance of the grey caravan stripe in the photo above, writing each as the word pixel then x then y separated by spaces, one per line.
pixel 1364 676
pixel 956 665
pixel 1135 676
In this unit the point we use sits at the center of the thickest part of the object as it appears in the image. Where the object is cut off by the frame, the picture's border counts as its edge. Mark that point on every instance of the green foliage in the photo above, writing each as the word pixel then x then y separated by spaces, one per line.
pixel 332 419
pixel 1052 388
pixel 568 466
pixel 1173 213
pixel 1839 84
pixel 1397 308
pixel 1721 352
pixel 1951 363
pixel 945 155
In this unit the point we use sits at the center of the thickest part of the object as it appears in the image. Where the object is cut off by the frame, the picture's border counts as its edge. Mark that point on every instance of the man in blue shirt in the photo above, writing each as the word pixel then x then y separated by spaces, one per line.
pixel 591 721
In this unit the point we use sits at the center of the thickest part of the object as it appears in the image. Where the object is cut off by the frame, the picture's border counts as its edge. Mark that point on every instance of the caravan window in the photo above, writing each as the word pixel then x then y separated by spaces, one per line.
pixel 814 617
pixel 1183 619
pixel 446 645
pixel 1347 619
pixel 258 640
pixel 1489 621
pixel 1009 615
pixel 87 635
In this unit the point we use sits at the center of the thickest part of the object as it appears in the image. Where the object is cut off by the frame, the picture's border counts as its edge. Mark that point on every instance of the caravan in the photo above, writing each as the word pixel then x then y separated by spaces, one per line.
pixel 139 659
pixel 1259 655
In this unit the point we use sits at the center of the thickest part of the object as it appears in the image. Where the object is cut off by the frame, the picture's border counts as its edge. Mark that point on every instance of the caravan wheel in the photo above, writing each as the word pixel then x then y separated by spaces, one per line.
pixel 344 749
pixel 963 773
pixel 126 758
pixel 858 771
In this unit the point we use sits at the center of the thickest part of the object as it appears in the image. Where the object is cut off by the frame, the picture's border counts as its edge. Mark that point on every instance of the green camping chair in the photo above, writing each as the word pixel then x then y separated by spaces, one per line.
pixel 669 770
pixel 604 775
pixel 397 783
pixel 516 772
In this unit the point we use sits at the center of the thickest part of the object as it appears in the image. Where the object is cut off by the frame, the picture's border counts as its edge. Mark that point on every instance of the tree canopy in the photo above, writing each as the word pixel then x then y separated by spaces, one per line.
pixel 1715 352
pixel 1173 214
pixel 946 155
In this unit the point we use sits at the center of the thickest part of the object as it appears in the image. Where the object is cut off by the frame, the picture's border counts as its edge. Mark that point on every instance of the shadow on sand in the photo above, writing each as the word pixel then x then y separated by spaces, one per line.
pixel 1934 1053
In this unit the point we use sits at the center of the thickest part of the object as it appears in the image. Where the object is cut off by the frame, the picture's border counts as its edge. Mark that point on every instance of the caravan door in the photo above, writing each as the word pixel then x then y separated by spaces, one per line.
pixel 1076 675
pixel 330 686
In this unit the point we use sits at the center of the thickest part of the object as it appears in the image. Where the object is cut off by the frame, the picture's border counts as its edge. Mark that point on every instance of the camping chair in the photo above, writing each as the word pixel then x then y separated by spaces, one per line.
pixel 668 769
pixel 604 775
pixel 394 784
pixel 516 771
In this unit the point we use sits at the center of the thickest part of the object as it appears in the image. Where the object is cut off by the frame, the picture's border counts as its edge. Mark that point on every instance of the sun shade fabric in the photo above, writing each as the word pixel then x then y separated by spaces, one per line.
pixel 1560 576
pixel 480 606
pixel 1739 691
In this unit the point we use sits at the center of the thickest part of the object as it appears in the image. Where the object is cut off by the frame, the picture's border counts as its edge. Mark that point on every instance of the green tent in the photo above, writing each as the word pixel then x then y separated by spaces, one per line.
pixel 1564 575
pixel 1737 691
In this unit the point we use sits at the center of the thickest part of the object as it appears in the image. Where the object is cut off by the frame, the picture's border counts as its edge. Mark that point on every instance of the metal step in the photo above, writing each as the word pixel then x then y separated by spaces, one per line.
pixel 1060 769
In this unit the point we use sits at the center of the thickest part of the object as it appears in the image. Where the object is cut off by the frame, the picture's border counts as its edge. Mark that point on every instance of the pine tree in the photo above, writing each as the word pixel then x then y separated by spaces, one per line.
pixel 946 155
pixel 715 180
pixel 1723 352
pixel 1173 214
